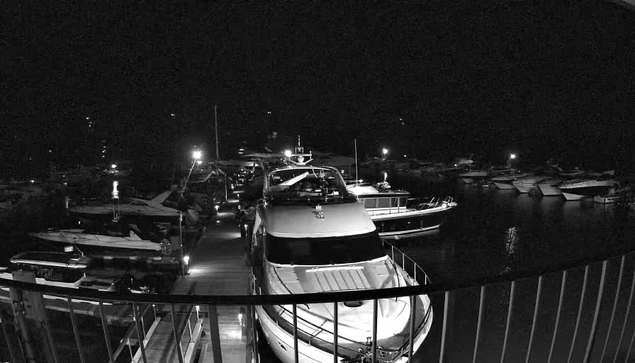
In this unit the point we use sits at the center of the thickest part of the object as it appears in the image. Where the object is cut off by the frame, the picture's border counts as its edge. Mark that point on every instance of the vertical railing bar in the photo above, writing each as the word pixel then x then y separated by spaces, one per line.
pixel 444 330
pixel 177 338
pixel 615 300
pixel 563 285
pixel 596 314
pixel 254 327
pixel 392 252
pixel 510 309
pixel 104 325
pixel 215 334
pixel 403 260
pixel 628 311
pixel 7 336
pixel 135 313
pixel 49 337
pixel 628 352
pixel 78 340
pixel 481 305
pixel 335 332
pixel 295 334
pixel 375 314
pixel 535 318
pixel 413 315
pixel 577 321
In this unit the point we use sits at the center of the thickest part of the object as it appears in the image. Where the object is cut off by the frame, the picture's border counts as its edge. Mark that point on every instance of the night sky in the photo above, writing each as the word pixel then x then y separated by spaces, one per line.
pixel 432 79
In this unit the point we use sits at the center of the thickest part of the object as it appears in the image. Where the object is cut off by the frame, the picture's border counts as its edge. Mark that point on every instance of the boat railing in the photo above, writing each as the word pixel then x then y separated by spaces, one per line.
pixel 412 268
pixel 577 311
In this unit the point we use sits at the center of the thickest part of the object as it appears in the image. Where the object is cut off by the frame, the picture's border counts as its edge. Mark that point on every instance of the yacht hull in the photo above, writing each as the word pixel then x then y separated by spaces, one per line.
pixel 504 186
pixel 409 223
pixel 548 190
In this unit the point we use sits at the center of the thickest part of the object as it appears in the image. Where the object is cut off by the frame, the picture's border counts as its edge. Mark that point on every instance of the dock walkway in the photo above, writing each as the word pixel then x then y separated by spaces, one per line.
pixel 217 266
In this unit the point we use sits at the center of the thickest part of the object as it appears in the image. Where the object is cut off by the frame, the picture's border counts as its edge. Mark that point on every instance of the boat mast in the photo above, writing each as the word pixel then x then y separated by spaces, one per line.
pixel 356 176
pixel 216 129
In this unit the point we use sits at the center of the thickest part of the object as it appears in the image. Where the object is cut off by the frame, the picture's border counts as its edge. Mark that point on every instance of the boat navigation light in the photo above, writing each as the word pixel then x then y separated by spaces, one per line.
pixel 287 153
pixel 197 154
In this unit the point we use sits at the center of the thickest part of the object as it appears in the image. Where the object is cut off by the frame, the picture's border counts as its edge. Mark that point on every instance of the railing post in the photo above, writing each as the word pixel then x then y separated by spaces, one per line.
pixel 615 300
pixel 78 340
pixel 448 317
pixel 335 332
pixel 481 305
pixel 135 311
pixel 215 334
pixel 628 311
pixel 295 334
pixel 411 332
pixel 563 285
pixel 535 318
pixel 104 325
pixel 510 309
pixel 598 304
pixel 177 338
pixel 577 321
pixel 374 337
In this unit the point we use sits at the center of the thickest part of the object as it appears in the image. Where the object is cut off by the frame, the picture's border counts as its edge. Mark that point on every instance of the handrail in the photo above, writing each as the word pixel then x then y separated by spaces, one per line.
pixel 321 297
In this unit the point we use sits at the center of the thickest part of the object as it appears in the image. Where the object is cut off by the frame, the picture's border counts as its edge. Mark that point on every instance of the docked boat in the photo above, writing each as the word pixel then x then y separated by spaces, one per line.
pixel 474 176
pixel 115 235
pixel 549 186
pixel 397 215
pixel 311 235
pixel 615 196
pixel 579 189
pixel 527 183
pixel 505 180
pixel 63 270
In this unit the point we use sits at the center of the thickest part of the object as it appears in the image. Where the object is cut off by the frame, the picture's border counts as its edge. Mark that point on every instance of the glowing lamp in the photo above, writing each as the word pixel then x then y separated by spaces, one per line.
pixel 115 192
pixel 512 156
pixel 287 153
pixel 199 162
pixel 113 166
pixel 186 260
pixel 384 151
pixel 197 154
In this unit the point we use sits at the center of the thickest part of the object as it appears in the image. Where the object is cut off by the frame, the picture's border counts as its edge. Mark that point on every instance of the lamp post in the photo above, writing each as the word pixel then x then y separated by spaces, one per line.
pixel 196 155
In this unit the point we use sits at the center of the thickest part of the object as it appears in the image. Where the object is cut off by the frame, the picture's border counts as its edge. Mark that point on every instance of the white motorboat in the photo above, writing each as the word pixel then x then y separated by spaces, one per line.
pixel 115 235
pixel 167 205
pixel 396 215
pixel 579 189
pixel 311 235
pixel 474 176
pixel 527 183
pixel 64 270
pixel 549 187
pixel 615 196
pixel 505 180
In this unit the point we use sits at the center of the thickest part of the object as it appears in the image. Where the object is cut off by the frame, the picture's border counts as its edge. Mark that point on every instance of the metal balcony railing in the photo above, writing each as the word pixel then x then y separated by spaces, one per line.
pixel 575 312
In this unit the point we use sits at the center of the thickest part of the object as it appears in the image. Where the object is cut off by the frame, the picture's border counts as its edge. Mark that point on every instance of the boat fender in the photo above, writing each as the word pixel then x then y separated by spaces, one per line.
pixel 166 246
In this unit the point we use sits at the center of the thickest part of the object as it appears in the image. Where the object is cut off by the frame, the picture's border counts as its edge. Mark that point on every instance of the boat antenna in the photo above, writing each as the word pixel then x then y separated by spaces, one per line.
pixel 356 175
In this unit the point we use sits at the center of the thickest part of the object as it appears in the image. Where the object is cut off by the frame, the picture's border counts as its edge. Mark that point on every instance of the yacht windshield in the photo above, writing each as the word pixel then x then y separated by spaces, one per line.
pixel 324 251
pixel 306 184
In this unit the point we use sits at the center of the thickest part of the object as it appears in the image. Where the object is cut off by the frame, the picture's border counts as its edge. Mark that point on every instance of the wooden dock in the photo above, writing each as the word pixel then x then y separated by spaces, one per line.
pixel 217 266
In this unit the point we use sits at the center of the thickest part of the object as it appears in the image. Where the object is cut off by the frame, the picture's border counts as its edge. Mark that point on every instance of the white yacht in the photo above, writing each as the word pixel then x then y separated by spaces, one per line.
pixel 311 235
pixel 549 186
pixel 527 183
pixel 505 180
pixel 396 214
pixel 116 235
pixel 474 176
pixel 579 189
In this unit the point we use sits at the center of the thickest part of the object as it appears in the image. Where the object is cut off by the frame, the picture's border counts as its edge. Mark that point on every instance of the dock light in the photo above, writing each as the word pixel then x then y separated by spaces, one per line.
pixel 186 260
pixel 217 207
pixel 197 154
pixel 199 162
pixel 512 156
pixel 32 181
pixel 240 317
pixel 384 152
pixel 113 166
pixel 287 153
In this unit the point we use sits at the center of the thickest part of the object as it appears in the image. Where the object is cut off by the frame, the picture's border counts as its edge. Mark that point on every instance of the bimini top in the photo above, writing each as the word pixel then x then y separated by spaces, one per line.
pixel 317 221
pixel 303 183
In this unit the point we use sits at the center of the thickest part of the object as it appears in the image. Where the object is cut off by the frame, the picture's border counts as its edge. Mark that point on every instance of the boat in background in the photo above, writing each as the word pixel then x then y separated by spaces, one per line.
pixel 615 196
pixel 527 183
pixel 107 235
pixel 397 215
pixel 505 181
pixel 474 176
pixel 579 189
pixel 549 186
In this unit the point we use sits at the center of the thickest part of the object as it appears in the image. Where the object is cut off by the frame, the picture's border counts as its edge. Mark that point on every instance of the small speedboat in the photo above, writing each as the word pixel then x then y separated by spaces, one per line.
pixel 615 196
